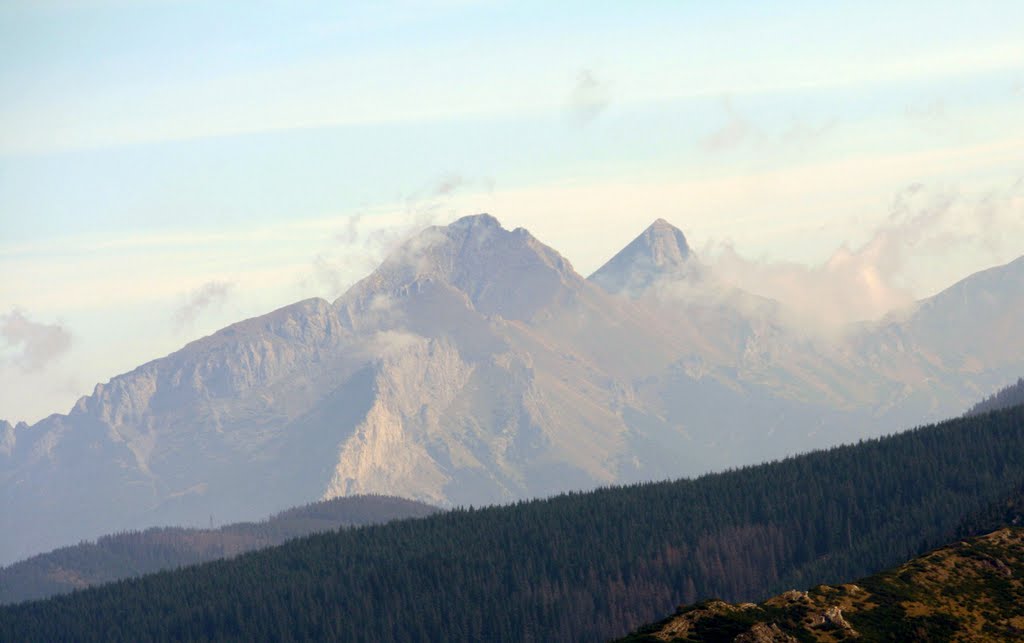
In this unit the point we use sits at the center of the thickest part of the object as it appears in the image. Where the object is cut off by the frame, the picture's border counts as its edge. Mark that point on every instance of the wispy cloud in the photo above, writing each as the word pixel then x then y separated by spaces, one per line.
pixel 209 294
pixel 930 110
pixel 350 234
pixel 448 184
pixel 34 344
pixel 735 131
pixel 869 280
pixel 589 97
pixel 801 131
pixel 365 241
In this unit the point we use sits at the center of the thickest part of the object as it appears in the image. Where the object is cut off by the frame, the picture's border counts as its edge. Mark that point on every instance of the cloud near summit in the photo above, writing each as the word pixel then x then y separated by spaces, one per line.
pixel 33 345
pixel 209 294
pixel 869 280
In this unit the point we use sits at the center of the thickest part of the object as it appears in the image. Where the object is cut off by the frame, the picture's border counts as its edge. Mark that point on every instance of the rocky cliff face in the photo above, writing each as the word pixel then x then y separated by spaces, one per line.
pixel 476 366
pixel 151 445
pixel 6 438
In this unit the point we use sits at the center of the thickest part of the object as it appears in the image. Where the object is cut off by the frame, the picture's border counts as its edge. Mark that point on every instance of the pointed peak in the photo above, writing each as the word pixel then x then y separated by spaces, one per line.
pixel 662 237
pixel 660 250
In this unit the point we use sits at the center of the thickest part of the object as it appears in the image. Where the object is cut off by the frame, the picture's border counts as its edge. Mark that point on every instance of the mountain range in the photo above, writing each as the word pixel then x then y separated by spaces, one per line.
pixel 476 366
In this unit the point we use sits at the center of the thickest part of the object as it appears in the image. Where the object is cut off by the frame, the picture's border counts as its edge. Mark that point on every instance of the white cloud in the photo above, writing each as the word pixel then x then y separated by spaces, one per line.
pixel 869 280
pixel 738 131
pixel 33 345
pixel 212 293
pixel 589 97
pixel 365 240
pixel 735 131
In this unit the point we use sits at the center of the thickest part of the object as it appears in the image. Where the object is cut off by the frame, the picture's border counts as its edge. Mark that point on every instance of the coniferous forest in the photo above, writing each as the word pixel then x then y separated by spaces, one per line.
pixel 1004 398
pixel 135 553
pixel 583 566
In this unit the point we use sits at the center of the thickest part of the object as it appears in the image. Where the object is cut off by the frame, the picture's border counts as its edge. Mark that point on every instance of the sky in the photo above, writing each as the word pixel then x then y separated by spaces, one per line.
pixel 170 167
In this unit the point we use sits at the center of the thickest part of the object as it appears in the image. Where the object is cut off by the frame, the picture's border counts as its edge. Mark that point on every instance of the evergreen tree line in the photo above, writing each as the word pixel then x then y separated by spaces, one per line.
pixel 1003 399
pixel 580 566
pixel 134 553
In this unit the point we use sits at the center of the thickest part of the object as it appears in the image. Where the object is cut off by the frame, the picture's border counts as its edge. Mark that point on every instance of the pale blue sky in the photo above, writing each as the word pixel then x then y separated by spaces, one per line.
pixel 275 150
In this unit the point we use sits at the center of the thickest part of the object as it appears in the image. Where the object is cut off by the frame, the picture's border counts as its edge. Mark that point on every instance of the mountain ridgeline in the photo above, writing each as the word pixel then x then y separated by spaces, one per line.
pixel 580 566
pixel 476 366
pixel 130 554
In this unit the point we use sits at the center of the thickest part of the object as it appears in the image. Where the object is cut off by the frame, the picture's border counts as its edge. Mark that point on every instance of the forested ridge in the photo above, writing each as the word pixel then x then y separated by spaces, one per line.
pixel 1004 398
pixel 582 566
pixel 134 553
pixel 972 590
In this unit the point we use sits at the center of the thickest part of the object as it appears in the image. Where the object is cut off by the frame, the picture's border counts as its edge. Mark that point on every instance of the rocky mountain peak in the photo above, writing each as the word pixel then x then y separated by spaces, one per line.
pixel 665 243
pixel 660 251
pixel 246 355
pixel 504 272
pixel 477 221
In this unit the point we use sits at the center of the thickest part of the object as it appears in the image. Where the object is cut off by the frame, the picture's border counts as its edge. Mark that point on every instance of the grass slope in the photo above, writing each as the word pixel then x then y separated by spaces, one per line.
pixel 972 590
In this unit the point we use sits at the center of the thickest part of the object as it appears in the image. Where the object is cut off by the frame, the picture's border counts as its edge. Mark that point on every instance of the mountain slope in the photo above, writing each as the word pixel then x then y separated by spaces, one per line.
pixel 126 555
pixel 219 427
pixel 506 381
pixel 1002 399
pixel 579 566
pixel 969 591
pixel 476 366
pixel 953 347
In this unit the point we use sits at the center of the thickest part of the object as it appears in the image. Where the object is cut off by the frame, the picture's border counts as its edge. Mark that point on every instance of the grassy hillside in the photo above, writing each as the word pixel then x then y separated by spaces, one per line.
pixel 579 566
pixel 969 591
pixel 130 554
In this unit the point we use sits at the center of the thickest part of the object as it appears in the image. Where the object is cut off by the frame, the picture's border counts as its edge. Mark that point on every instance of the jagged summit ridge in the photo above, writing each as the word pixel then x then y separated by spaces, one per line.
pixel 661 251
pixel 482 220
pixel 501 272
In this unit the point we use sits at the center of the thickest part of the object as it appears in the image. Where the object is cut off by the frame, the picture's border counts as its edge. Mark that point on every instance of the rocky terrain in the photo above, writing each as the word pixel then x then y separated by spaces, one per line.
pixel 972 590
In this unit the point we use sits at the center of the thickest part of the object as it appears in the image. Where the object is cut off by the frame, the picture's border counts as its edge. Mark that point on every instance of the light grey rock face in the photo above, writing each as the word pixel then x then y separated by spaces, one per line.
pixel 6 438
pixel 659 253
pixel 177 437
pixel 476 366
